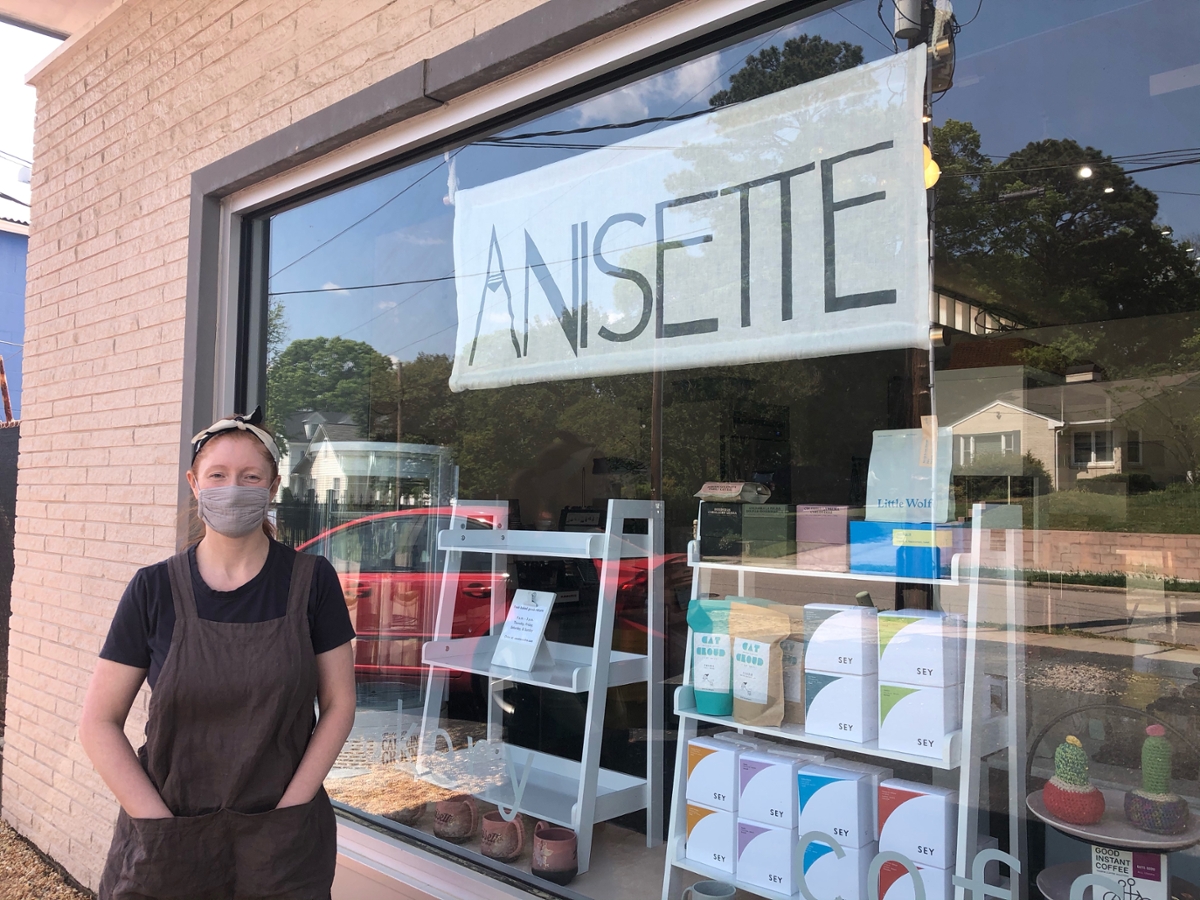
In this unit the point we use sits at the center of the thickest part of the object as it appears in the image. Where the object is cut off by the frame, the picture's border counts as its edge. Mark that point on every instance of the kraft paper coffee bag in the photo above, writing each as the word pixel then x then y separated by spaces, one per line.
pixel 757 633
pixel 792 648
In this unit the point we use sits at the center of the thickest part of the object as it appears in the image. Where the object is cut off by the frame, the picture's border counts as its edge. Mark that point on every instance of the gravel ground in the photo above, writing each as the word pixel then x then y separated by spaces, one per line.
pixel 26 876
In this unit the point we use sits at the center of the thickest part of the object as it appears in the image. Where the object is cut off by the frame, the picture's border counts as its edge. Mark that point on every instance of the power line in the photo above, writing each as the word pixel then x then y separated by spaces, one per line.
pixel 12 157
pixel 867 33
pixel 355 224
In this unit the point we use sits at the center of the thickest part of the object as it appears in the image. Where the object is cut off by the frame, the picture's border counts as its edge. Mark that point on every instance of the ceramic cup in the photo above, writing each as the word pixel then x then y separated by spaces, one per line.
pixel 409 815
pixel 455 818
pixel 554 853
pixel 708 889
pixel 502 840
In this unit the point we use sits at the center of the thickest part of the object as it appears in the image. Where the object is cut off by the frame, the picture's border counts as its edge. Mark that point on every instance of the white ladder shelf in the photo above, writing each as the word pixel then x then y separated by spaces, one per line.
pixel 573 793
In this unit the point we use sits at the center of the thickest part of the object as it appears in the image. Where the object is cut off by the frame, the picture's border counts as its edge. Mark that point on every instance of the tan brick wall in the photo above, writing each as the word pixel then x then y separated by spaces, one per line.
pixel 124 117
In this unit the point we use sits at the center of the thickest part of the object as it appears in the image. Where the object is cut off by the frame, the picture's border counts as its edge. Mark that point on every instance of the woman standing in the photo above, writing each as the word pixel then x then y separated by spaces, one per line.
pixel 237 636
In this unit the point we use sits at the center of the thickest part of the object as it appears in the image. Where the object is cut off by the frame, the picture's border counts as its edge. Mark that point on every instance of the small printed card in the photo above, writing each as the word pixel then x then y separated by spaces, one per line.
pixel 1139 874
pixel 524 630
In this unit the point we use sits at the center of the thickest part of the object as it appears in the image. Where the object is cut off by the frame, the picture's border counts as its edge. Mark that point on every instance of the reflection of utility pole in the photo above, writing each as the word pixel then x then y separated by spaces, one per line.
pixel 656 448
pixel 8 416
pixel 915 22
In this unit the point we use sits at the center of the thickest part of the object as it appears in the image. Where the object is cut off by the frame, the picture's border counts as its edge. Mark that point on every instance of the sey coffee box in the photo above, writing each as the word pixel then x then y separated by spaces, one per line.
pixel 711 837
pixel 836 802
pixel 896 882
pixel 877 774
pixel 712 778
pixel 767 856
pixel 840 639
pixel 767 783
pixel 918 820
pixel 746 741
pixel 918 646
pixel 830 878
pixel 1140 874
pixel 841 706
pixel 917 720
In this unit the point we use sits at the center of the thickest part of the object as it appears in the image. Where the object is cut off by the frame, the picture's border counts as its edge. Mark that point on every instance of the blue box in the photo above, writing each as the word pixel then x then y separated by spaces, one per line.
pixel 904 549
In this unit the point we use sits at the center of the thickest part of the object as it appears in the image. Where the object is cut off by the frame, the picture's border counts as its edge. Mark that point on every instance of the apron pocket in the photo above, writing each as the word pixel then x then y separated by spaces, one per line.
pixel 184 856
pixel 289 852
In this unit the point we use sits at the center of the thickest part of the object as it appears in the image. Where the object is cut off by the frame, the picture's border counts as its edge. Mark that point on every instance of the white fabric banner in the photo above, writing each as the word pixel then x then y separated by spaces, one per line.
pixel 792 226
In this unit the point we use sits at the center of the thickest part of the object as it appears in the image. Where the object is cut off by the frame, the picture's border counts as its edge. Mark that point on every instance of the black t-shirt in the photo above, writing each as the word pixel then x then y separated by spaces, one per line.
pixel 140 634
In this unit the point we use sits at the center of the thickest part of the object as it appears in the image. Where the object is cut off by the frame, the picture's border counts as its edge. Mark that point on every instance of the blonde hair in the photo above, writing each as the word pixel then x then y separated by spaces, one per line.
pixel 196 527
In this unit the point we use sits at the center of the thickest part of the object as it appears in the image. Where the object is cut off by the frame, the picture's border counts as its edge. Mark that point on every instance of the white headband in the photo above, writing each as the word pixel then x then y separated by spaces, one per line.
pixel 248 423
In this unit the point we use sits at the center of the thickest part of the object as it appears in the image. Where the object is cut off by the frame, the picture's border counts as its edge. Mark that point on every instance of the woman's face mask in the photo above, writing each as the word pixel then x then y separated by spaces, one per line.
pixel 233 511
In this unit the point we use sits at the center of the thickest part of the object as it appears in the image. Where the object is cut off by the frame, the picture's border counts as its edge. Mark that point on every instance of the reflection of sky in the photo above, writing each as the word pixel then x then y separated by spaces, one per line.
pixel 1027 70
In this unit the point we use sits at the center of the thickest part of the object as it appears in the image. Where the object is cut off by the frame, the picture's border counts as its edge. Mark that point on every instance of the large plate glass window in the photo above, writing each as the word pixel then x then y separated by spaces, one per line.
pixel 815 388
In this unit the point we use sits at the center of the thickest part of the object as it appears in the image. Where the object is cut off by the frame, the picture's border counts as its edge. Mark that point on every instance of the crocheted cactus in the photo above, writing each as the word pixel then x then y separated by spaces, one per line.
pixel 1156 761
pixel 1154 808
pixel 1071 762
pixel 1070 795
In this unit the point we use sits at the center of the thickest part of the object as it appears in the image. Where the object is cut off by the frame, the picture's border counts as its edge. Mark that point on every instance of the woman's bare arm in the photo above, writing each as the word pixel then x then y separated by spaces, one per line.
pixel 337 701
pixel 110 695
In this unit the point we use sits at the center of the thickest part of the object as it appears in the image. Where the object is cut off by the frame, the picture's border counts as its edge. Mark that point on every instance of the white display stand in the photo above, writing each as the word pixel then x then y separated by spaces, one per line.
pixel 573 793
pixel 992 680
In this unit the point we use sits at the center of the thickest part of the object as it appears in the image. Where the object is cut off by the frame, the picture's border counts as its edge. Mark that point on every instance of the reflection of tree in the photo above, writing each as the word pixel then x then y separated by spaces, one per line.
pixel 802 59
pixel 1032 236
pixel 334 374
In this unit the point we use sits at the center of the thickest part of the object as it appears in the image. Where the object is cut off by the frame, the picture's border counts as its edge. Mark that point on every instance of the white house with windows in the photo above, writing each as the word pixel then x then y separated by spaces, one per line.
pixel 995 439
pixel 365 473
pixel 1087 428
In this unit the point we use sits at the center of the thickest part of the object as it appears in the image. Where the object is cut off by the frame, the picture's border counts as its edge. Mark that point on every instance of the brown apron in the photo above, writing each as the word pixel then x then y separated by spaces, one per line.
pixel 230 718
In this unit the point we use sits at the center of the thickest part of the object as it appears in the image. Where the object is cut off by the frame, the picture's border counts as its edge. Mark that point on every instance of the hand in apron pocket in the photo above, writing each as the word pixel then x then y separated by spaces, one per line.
pixel 181 856
pixel 289 852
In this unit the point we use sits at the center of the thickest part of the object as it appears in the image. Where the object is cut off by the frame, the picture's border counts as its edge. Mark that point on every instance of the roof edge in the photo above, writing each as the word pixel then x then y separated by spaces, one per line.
pixel 65 47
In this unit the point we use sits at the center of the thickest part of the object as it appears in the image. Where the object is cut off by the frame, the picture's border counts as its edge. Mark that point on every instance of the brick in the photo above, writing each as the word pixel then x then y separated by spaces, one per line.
pixel 123 118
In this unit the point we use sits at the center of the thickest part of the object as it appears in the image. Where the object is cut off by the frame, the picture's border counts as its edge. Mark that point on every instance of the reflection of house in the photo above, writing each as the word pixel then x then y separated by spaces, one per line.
pixel 299 429
pixel 1086 428
pixel 995 439
pixel 373 472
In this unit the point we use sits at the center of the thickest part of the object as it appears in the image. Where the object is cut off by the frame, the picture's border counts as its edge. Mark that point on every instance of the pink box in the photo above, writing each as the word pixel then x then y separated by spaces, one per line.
pixel 823 537
pixel 824 524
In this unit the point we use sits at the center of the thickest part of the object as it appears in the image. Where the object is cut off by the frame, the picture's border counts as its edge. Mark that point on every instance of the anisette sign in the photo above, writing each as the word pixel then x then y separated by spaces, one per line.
pixel 791 226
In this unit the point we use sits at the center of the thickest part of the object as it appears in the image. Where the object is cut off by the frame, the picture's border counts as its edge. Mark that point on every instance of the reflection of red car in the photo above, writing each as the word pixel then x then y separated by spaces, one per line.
pixel 391 573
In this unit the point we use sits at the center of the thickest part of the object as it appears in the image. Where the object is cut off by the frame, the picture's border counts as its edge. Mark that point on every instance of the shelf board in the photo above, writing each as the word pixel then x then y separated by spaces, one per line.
pixel 571 544
pixel 553 789
pixel 570 668
pixel 1113 829
pixel 951 581
pixel 675 855
pixel 685 705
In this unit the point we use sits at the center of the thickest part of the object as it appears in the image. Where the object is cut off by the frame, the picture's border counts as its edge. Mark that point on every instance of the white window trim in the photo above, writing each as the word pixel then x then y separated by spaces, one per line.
pixel 1093 463
pixel 606 54
pixel 1130 440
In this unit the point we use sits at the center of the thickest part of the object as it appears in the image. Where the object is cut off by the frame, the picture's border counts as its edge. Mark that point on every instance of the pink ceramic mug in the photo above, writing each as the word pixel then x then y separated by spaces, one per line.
pixel 503 840
pixel 554 853
pixel 455 818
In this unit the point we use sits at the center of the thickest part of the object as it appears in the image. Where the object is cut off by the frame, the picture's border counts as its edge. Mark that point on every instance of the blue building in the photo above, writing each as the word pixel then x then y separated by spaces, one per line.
pixel 14 242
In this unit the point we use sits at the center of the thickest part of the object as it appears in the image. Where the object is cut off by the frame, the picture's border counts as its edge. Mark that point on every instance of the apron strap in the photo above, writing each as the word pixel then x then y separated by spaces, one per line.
pixel 179 567
pixel 302 576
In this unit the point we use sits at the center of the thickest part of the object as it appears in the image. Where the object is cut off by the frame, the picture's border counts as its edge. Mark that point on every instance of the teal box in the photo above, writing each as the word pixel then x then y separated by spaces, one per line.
pixel 904 549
